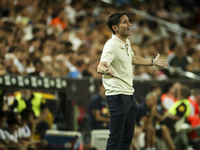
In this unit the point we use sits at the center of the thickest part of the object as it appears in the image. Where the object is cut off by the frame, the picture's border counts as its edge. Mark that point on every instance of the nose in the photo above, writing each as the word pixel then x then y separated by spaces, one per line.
pixel 129 24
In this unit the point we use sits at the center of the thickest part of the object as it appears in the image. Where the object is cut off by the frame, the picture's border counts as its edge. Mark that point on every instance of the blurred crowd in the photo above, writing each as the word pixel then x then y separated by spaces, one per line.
pixel 15 132
pixel 168 118
pixel 64 38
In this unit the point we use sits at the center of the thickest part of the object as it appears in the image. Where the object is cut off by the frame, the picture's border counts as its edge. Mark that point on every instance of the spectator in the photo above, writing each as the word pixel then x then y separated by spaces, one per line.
pixel 139 73
pixel 11 134
pixel 156 74
pixel 80 68
pixel 65 35
pixel 155 88
pixel 98 111
pixel 194 65
pixel 169 96
pixel 145 122
pixel 180 60
pixel 38 67
pixel 32 100
pixel 2 68
pixel 39 33
pixel 60 63
pixel 60 21
pixel 24 132
pixel 180 110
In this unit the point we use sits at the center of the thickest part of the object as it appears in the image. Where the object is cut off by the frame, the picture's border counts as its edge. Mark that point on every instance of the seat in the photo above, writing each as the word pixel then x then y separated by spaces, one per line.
pixel 64 140
pixel 99 139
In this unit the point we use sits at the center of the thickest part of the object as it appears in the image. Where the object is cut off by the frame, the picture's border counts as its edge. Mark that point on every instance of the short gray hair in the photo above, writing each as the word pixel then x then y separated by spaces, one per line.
pixel 150 94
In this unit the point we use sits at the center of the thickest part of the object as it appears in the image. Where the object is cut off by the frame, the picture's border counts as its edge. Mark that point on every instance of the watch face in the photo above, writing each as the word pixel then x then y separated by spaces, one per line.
pixel 105 124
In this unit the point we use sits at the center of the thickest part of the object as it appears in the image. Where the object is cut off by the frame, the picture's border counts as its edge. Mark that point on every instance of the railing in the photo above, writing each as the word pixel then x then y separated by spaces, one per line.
pixel 184 73
pixel 169 25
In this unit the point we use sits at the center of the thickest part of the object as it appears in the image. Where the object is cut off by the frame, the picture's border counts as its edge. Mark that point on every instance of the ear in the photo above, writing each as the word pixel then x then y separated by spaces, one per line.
pixel 115 28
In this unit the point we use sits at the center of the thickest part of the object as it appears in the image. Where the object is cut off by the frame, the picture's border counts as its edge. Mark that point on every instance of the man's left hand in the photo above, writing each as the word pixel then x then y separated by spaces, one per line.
pixel 160 63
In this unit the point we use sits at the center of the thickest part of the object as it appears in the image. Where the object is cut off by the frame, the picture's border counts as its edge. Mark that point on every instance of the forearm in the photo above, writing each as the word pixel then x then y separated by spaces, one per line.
pixel 43 115
pixel 102 119
pixel 141 61
pixel 174 117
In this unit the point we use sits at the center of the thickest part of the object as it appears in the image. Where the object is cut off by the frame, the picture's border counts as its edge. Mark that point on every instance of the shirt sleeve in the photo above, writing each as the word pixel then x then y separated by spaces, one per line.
pixel 97 104
pixel 108 53
pixel 180 110
pixel 167 103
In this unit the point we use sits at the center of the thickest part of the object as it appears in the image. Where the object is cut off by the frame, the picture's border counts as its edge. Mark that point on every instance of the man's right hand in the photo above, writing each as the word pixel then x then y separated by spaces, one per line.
pixel 104 69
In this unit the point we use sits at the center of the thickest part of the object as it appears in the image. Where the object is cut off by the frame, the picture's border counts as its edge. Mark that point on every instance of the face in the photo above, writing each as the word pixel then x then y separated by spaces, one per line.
pixel 176 89
pixel 26 94
pixel 2 69
pixel 23 123
pixel 39 67
pixel 13 128
pixel 152 101
pixel 124 27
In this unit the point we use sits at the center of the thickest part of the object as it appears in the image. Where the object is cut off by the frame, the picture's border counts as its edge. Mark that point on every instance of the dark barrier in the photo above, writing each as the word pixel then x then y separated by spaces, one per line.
pixel 78 91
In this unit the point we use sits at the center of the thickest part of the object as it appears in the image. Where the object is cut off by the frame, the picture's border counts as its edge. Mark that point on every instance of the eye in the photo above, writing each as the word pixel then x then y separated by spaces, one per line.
pixel 126 22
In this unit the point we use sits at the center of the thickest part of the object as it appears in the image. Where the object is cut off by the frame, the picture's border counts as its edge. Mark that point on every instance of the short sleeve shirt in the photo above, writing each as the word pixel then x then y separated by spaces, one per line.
pixel 24 132
pixel 11 137
pixel 118 56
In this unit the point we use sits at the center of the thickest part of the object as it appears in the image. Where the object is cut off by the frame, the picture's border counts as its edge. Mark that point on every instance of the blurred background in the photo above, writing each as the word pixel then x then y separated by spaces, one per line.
pixel 50 49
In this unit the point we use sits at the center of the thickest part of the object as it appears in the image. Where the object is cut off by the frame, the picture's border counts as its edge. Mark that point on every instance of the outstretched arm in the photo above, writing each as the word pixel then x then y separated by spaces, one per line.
pixel 136 60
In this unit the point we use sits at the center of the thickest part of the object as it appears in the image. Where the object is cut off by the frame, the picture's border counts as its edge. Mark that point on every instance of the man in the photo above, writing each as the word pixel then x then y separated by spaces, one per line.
pixel 148 119
pixel 169 97
pixel 98 111
pixel 77 73
pixel 28 99
pixel 144 119
pixel 116 66
pixel 180 110
pixel 182 107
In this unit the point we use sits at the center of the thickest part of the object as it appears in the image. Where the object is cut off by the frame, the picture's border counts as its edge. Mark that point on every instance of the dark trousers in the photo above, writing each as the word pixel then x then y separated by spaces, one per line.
pixel 123 112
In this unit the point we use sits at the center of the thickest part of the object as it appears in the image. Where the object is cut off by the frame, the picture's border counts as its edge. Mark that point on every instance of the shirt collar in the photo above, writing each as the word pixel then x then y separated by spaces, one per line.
pixel 114 37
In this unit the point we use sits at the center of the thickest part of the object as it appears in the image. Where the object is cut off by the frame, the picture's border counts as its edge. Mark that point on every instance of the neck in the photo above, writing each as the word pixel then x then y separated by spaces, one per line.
pixel 121 37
